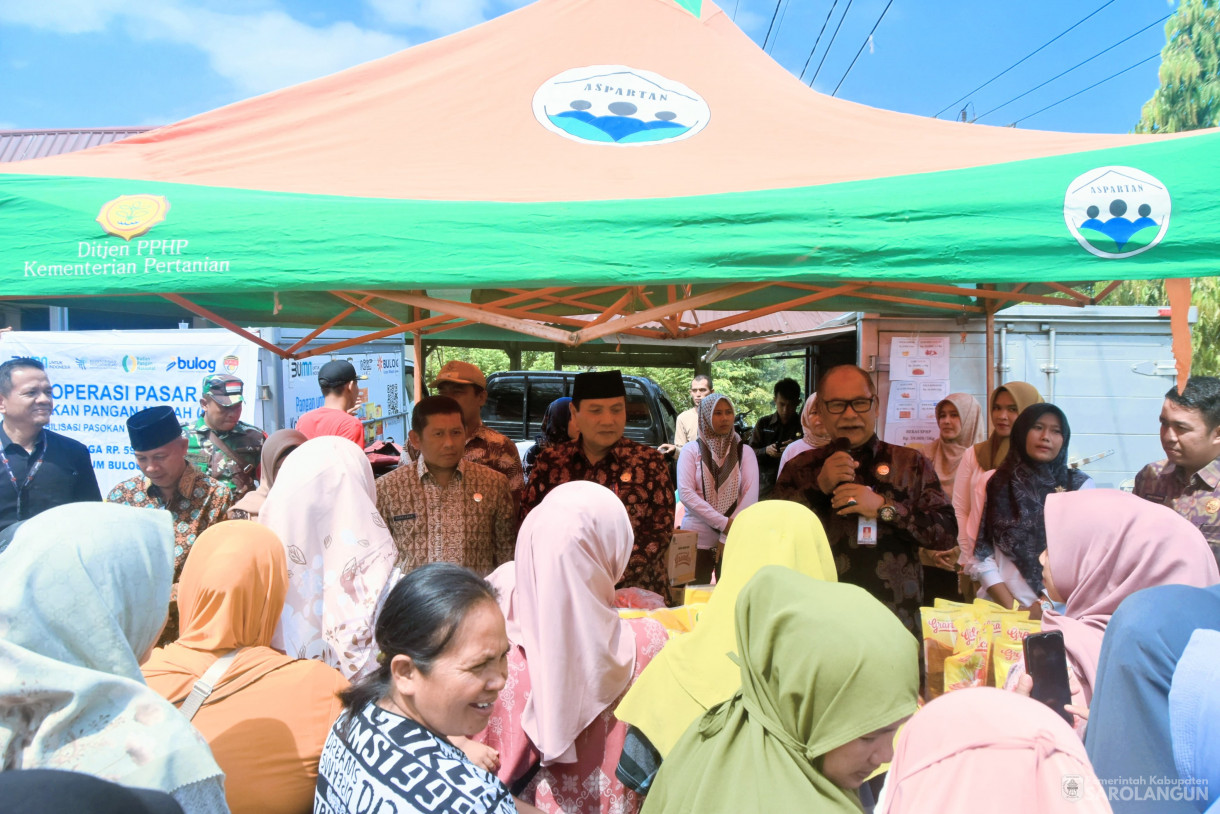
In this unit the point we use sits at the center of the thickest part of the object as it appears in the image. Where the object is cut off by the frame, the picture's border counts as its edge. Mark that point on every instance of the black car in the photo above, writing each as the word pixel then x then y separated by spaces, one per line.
pixel 517 400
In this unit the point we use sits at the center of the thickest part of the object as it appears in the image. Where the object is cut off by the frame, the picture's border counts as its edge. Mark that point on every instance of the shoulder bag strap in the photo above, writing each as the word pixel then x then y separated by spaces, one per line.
pixel 204 686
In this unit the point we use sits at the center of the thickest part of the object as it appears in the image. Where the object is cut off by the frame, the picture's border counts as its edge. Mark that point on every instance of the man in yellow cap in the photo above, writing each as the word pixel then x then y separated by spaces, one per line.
pixel 465 384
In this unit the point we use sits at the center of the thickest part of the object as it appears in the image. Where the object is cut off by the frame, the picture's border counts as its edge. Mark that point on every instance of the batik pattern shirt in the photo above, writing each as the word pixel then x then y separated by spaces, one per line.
pixel 245 441
pixel 1197 497
pixel 388 763
pixel 490 448
pixel 640 477
pixel 196 503
pixel 889 570
pixel 469 521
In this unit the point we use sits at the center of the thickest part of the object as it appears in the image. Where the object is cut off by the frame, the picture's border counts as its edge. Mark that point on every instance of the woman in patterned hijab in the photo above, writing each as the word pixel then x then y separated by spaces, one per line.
pixel 717 478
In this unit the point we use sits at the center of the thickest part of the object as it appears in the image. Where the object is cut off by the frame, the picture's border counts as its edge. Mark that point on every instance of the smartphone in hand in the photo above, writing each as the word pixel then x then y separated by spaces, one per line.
pixel 1046 663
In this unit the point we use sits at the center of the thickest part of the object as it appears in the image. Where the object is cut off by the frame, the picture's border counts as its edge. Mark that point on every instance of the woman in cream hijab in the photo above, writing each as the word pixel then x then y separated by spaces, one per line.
pixel 323 507
pixel 960 421
pixel 813 437
pixel 84 593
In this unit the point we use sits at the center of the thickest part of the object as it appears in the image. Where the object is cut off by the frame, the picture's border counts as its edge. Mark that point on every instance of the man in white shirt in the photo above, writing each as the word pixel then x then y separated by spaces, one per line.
pixel 687 428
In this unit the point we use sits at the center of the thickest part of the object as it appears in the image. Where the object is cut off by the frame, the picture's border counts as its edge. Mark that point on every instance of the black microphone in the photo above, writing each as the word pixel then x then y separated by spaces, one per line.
pixel 842 444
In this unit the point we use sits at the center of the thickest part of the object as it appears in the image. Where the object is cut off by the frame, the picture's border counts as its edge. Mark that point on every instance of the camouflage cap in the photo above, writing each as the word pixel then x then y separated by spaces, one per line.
pixel 223 388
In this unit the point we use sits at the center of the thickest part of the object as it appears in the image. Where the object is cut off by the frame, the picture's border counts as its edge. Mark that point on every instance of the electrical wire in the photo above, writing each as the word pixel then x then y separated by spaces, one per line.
pixel 814 49
pixel 736 3
pixel 774 14
pixel 780 25
pixel 1089 88
pixel 831 44
pixel 1074 67
pixel 861 51
pixel 1019 61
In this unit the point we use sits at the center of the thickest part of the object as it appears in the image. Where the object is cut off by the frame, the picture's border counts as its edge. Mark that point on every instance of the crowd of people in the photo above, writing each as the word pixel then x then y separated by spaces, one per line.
pixel 257 624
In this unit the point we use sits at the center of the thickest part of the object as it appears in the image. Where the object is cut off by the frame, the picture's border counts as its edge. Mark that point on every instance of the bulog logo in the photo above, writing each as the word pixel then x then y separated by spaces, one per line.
pixel 192 364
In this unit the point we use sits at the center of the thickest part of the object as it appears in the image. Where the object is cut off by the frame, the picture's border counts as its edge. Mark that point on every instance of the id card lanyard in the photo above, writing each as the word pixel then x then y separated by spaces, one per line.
pixel 29 476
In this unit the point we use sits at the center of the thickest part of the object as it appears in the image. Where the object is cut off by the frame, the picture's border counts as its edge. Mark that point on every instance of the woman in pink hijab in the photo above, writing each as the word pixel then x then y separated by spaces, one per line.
pixel 571 658
pixel 1102 546
pixel 983 749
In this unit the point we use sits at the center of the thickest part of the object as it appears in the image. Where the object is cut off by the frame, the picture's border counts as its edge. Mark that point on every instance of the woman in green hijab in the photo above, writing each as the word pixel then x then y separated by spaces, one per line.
pixel 828 674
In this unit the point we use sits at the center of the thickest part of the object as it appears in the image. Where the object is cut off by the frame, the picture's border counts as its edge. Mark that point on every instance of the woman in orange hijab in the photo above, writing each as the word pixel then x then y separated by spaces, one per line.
pixel 268 715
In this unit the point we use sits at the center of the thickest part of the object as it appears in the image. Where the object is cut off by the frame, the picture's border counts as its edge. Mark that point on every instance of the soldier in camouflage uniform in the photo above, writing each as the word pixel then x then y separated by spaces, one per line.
pixel 221 445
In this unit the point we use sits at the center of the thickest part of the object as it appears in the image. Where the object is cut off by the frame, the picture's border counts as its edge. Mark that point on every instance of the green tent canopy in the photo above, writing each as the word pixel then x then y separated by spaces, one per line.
pixel 629 159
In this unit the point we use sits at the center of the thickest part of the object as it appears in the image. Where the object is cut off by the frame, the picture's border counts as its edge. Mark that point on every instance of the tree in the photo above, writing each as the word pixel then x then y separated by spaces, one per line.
pixel 1189 95
pixel 1204 335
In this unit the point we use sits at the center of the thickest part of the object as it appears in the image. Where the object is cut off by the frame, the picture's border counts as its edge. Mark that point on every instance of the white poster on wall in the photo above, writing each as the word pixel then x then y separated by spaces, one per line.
pixel 919 379
pixel 383 393
pixel 99 378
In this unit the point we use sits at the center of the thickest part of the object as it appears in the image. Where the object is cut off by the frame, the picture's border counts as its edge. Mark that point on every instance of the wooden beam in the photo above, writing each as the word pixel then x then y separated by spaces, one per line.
pixel 1071 292
pixel 482 314
pixel 614 310
pixel 980 293
pixel 654 314
pixel 364 306
pixel 199 310
pixel 723 322
pixel 330 323
pixel 1107 291
pixel 945 306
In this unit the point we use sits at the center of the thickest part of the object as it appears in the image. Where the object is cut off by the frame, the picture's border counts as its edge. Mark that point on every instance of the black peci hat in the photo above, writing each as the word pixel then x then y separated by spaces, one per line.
pixel 603 384
pixel 153 428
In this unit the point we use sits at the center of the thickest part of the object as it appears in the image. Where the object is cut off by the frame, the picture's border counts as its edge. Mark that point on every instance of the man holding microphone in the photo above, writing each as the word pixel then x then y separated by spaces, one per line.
pixel 878 502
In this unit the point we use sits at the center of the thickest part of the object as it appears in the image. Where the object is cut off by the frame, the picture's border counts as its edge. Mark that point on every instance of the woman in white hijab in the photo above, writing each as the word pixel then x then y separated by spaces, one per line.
pixel 341 556
pixel 84 593
pixel 814 436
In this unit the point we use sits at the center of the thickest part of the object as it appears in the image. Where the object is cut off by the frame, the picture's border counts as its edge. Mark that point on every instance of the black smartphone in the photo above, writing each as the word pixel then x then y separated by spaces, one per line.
pixel 1046 663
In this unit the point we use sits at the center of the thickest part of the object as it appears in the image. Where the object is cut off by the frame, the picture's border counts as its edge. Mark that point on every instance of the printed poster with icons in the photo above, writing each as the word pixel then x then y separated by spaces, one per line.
pixel 383 394
pixel 919 380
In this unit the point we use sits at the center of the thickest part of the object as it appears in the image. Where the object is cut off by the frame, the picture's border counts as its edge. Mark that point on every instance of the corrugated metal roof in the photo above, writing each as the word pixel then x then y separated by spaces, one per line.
pixel 20 145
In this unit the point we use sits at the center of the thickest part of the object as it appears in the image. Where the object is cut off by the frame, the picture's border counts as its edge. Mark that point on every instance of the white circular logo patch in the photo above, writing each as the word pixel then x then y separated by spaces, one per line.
pixel 618 105
pixel 1116 212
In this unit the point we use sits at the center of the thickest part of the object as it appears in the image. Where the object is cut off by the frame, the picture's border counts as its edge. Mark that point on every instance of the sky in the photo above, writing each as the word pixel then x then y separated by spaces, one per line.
pixel 114 63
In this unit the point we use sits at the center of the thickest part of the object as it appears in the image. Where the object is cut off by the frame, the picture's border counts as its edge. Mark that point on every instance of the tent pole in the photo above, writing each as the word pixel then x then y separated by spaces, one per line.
pixel 989 372
pixel 418 351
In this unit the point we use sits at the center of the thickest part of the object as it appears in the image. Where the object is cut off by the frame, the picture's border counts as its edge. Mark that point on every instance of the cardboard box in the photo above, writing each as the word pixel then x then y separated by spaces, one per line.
pixel 680 560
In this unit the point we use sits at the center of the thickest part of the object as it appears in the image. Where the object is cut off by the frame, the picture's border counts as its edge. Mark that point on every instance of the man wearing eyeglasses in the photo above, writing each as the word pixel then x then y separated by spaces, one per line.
pixel 878 502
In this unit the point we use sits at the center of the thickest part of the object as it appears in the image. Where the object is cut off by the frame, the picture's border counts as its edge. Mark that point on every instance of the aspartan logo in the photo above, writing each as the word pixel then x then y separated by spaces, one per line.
pixel 129 216
pixel 619 105
pixel 1116 212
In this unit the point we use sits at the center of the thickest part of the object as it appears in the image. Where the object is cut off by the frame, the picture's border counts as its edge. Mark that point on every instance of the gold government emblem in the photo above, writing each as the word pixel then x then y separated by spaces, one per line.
pixel 625 477
pixel 883 470
pixel 1212 506
pixel 129 216
pixel 478 497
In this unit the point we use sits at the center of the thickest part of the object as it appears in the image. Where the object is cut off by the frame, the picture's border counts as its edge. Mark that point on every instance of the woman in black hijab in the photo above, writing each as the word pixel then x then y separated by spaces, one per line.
pixel 555 423
pixel 1013 531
